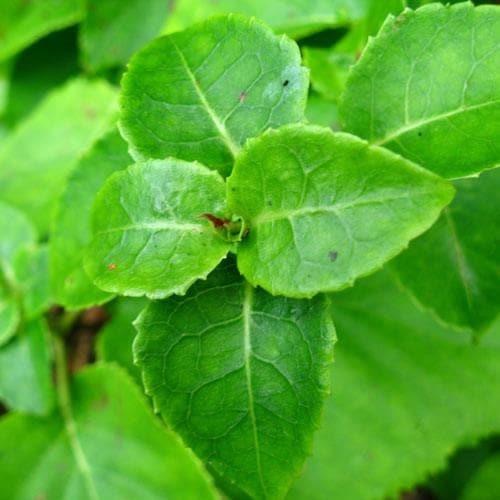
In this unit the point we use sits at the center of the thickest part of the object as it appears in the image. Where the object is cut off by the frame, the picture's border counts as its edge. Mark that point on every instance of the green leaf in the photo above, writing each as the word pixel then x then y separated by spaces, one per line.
pixel 22 22
pixel 149 236
pixel 112 448
pixel 44 148
pixel 114 342
pixel 321 111
pixel 26 372
pixel 324 209
pixel 113 30
pixel 484 485
pixel 199 94
pixel 297 18
pixel 31 269
pixel 408 391
pixel 71 233
pixel 10 314
pixel 453 269
pixel 241 375
pixel 428 87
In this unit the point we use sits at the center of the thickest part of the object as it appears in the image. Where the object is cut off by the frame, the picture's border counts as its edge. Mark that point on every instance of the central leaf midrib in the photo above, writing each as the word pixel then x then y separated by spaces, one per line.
pixel 158 226
pixel 247 332
pixel 230 143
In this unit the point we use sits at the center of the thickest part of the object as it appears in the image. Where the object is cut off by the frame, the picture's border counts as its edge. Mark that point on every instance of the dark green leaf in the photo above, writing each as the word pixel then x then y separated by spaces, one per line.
pixel 149 236
pixel 114 29
pixel 241 375
pixel 428 87
pixel 71 225
pixel 453 269
pixel 25 372
pixel 485 484
pixel 10 314
pixel 112 449
pixel 324 208
pixel 44 148
pixel 199 94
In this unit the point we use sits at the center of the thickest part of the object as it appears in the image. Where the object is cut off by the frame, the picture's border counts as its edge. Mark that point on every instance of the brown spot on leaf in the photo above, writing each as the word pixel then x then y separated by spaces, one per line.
pixel 112 266
pixel 333 255
pixel 243 96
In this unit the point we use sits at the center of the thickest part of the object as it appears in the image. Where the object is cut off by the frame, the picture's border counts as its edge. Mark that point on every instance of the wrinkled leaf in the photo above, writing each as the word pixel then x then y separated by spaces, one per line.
pixel 23 22
pixel 148 234
pixel 26 373
pixel 323 209
pixel 36 158
pixel 71 231
pixel 407 391
pixel 241 375
pixel 118 449
pixel 454 268
pixel 199 94
pixel 114 342
pixel 113 30
pixel 428 87
pixel 31 269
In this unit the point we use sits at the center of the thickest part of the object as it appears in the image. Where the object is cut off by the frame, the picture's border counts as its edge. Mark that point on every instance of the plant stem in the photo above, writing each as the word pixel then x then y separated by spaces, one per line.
pixel 64 400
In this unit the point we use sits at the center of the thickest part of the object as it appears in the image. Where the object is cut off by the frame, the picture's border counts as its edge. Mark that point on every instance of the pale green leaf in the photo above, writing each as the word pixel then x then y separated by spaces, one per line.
pixel 454 268
pixel 428 87
pixel 36 158
pixel 199 94
pixel 323 208
pixel 26 373
pixel 321 111
pixel 297 18
pixel 114 29
pixel 71 233
pixel 485 484
pixel 10 314
pixel 241 375
pixel 114 342
pixel 113 448
pixel 148 234
pixel 23 22
pixel 407 392
pixel 31 270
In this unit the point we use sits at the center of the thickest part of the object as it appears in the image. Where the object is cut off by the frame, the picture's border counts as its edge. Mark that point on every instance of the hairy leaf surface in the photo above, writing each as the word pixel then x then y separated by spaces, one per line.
pixel 454 268
pixel 22 22
pixel 428 87
pixel 113 30
pixel 408 391
pixel 25 371
pixel 199 94
pixel 37 157
pixel 325 208
pixel 112 448
pixel 71 231
pixel 241 375
pixel 149 236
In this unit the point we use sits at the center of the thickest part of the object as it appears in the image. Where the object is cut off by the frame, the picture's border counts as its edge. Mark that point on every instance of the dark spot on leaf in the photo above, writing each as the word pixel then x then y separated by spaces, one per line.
pixel 269 203
pixel 112 266
pixel 285 83
pixel 333 255
pixel 420 134
pixel 197 82
pixel 243 96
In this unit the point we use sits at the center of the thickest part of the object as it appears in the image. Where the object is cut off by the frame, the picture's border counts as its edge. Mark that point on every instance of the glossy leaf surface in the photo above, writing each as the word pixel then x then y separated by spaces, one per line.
pixel 241 375
pixel 149 236
pixel 25 371
pixel 407 391
pixel 199 94
pixel 35 155
pixel 118 449
pixel 113 30
pixel 71 231
pixel 324 208
pixel 428 87
pixel 22 22
pixel 454 268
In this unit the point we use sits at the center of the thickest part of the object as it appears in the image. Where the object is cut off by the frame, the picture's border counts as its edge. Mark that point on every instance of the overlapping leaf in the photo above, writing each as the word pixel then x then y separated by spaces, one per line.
pixel 149 237
pixel 323 209
pixel 428 87
pixel 200 93
pixel 241 375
